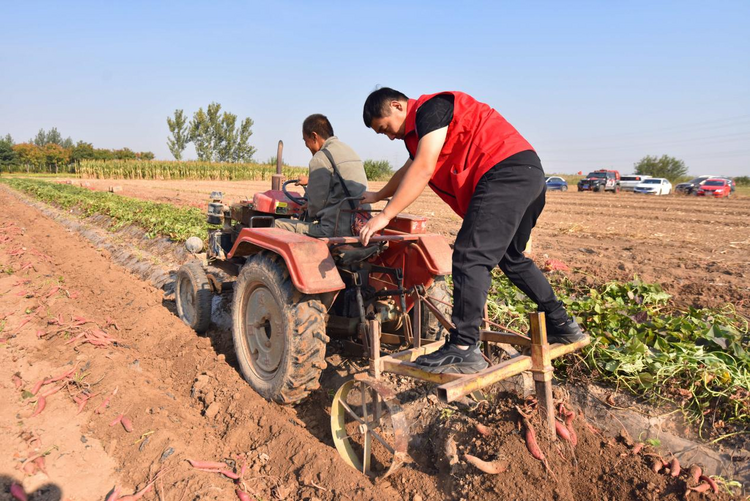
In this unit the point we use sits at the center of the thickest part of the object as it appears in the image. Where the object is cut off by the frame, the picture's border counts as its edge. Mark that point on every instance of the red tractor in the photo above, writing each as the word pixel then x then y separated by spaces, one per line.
pixel 292 293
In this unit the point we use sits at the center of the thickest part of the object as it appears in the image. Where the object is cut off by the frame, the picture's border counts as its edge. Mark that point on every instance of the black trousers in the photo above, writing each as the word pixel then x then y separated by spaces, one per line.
pixel 504 208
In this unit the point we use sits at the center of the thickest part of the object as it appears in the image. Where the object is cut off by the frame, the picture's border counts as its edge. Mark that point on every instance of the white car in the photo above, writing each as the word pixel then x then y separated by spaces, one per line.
pixel 629 182
pixel 654 186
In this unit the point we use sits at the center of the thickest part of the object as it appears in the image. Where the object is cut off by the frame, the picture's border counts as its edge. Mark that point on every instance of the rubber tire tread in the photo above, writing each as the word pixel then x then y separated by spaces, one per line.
pixel 203 295
pixel 431 327
pixel 304 361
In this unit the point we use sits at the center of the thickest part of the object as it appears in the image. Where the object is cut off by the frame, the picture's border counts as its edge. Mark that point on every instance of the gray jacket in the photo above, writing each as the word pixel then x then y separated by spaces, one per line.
pixel 325 194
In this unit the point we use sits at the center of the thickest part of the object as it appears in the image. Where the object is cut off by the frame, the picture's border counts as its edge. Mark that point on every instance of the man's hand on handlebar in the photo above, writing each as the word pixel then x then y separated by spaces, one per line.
pixel 302 181
pixel 369 197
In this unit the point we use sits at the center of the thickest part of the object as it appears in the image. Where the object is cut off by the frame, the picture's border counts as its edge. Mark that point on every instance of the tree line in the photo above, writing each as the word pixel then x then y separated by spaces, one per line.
pixel 216 136
pixel 49 152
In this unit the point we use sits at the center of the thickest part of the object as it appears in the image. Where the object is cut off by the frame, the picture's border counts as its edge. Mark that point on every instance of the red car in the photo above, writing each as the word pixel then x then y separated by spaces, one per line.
pixel 717 188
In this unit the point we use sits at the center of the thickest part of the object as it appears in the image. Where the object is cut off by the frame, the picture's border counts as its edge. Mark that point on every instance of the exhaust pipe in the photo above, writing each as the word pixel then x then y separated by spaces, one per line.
pixel 277 179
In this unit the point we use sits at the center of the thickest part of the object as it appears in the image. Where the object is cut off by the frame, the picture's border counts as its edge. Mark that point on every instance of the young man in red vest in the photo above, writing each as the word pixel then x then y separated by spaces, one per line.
pixel 490 176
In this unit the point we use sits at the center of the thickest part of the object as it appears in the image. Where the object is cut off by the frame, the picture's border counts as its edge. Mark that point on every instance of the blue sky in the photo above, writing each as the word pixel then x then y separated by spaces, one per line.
pixel 589 84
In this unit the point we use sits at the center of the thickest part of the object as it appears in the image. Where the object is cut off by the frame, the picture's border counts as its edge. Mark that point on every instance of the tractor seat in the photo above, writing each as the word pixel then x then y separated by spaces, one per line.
pixel 348 254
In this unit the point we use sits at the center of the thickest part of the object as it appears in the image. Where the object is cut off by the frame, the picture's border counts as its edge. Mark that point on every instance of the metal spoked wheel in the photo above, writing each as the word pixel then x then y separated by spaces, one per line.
pixel 369 427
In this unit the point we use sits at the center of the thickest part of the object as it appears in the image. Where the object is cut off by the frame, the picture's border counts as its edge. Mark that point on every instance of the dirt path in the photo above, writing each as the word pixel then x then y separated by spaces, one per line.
pixel 698 249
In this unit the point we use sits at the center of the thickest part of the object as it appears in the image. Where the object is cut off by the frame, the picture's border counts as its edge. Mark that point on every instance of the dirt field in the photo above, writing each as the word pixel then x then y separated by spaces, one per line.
pixel 187 400
pixel 698 249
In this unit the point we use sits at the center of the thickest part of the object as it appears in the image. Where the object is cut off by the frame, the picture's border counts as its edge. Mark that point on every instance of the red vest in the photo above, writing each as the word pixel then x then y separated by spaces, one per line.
pixel 478 139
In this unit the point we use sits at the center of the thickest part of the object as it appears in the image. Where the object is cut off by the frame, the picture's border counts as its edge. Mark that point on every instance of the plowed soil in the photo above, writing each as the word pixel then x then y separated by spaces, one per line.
pixel 65 308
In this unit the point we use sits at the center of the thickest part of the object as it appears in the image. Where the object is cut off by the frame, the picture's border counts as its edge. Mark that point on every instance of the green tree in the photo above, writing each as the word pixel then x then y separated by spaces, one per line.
pixel 40 139
pixel 82 151
pixel 742 180
pixel 216 136
pixel 201 135
pixel 243 151
pixel 377 170
pixel 29 155
pixel 67 143
pixel 665 166
pixel 8 156
pixel 103 154
pixel 124 154
pixel 145 155
pixel 56 156
pixel 180 134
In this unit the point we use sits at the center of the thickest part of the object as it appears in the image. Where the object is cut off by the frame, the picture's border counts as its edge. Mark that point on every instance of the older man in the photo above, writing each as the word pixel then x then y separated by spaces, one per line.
pixel 325 186
pixel 490 176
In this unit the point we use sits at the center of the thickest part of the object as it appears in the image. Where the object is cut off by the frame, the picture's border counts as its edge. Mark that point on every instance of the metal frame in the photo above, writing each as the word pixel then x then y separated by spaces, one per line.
pixel 454 386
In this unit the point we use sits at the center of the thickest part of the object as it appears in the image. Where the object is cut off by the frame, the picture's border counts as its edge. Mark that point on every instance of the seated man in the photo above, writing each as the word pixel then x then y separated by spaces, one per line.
pixel 325 193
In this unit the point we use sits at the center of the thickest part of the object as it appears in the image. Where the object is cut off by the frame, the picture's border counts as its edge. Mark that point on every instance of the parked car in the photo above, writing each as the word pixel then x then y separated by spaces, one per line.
pixel 731 183
pixel 692 186
pixel 629 182
pixel 556 183
pixel 715 187
pixel 601 180
pixel 654 186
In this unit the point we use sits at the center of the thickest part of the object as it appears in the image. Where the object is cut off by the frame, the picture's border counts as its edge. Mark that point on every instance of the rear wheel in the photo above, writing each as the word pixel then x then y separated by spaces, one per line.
pixel 431 328
pixel 193 296
pixel 279 333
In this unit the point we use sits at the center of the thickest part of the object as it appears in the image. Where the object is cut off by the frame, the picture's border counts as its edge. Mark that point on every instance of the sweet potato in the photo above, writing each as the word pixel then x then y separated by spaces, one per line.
pixel 37 387
pixel 117 420
pixel 105 403
pixel 694 473
pixel 699 488
pixel 482 429
pixel 637 448
pixel 710 481
pixel 674 467
pixel 40 404
pixel 18 493
pixel 656 465
pixel 562 431
pixel 242 495
pixel 127 424
pixel 230 474
pixel 491 468
pixel 569 417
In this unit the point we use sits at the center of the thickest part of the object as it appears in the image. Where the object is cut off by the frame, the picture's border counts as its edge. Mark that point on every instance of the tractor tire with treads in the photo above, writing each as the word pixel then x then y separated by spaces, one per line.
pixel 193 296
pixel 279 333
pixel 431 328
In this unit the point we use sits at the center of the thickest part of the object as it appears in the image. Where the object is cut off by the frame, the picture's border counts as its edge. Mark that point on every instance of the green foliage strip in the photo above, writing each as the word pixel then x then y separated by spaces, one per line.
pixel 177 223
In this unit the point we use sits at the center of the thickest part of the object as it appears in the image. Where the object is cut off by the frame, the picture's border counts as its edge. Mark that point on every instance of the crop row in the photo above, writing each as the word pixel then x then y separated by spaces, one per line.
pixel 696 359
pixel 177 223
pixel 134 169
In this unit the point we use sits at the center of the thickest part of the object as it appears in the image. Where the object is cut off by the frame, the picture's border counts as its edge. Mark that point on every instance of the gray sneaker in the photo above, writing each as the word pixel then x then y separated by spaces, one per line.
pixel 451 359
pixel 566 332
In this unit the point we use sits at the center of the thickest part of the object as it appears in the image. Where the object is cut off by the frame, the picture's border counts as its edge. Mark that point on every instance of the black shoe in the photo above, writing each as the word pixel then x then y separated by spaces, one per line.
pixel 566 332
pixel 452 359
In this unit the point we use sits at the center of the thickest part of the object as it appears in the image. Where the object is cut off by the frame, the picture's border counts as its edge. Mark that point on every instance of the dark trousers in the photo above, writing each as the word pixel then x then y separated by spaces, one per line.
pixel 504 208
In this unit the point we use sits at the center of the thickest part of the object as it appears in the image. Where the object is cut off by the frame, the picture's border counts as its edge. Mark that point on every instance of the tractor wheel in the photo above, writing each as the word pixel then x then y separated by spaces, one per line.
pixel 279 333
pixel 193 296
pixel 431 328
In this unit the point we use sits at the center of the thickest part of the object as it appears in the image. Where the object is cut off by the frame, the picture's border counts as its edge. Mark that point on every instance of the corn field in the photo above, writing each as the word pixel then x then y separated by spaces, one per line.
pixel 134 169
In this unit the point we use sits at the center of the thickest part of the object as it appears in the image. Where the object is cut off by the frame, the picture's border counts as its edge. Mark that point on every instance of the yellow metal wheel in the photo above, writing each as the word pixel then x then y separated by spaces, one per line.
pixel 369 427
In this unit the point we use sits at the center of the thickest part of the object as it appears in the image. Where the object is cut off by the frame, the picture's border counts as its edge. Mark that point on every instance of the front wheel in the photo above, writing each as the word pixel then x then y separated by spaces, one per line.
pixel 193 296
pixel 279 333
pixel 564 188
